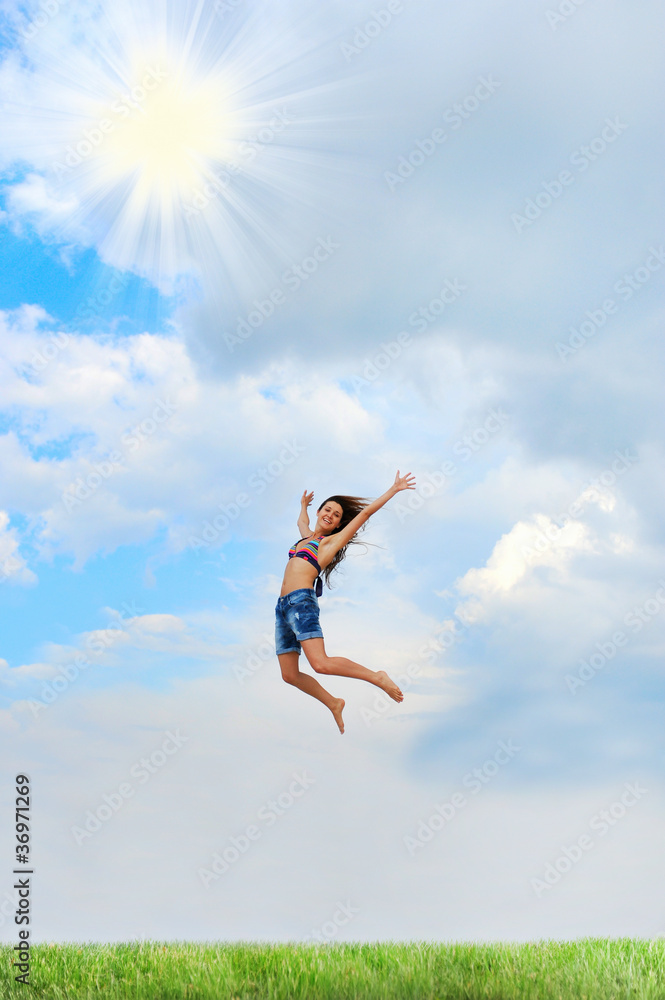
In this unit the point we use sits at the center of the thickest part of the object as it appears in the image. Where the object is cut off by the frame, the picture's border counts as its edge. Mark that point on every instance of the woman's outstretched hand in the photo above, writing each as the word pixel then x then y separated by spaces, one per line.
pixel 407 482
pixel 306 499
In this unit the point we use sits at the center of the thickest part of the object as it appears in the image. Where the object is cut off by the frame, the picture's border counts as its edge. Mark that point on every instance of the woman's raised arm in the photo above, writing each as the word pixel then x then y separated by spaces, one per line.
pixel 333 543
pixel 303 520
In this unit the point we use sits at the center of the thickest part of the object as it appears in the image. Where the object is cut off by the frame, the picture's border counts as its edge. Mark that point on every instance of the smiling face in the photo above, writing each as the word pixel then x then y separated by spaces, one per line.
pixel 330 514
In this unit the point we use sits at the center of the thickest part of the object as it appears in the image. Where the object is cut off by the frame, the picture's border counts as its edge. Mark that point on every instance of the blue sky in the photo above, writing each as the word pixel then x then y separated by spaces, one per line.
pixel 248 251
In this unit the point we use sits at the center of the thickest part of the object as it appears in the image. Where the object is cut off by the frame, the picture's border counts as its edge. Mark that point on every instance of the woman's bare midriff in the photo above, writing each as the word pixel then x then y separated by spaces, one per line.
pixel 299 574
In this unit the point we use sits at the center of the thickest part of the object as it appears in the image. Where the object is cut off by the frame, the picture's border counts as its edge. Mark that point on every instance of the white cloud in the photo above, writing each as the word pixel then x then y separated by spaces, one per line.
pixel 13 568
pixel 93 742
pixel 34 197
pixel 169 153
pixel 28 671
pixel 8 724
pixel 151 442
pixel 69 401
pixel 511 583
pixel 526 546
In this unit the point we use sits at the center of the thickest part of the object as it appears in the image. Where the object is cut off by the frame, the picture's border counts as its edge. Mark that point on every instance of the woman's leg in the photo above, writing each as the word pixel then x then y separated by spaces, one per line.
pixel 288 663
pixel 314 650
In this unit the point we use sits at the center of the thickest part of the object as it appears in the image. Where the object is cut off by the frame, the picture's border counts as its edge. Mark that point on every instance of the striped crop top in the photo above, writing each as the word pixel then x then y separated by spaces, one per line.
pixel 310 551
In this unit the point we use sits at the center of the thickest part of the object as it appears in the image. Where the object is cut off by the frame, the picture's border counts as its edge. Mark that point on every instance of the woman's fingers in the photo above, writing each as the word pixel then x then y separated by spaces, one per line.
pixel 407 481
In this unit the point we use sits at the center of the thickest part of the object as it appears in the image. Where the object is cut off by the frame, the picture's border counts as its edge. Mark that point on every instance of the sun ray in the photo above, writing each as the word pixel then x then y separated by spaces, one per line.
pixel 186 141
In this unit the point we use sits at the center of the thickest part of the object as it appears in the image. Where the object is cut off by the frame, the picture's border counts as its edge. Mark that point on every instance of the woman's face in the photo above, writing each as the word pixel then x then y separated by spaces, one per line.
pixel 330 514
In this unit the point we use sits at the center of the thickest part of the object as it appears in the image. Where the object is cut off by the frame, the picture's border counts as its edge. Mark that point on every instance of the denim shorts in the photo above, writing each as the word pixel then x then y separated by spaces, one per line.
pixel 296 618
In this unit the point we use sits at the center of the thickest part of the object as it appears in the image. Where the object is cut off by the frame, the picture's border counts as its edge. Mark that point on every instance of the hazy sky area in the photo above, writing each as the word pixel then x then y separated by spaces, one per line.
pixel 254 248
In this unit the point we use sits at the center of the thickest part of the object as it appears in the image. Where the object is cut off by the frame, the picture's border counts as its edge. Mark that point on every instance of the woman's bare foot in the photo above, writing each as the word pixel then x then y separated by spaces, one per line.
pixel 388 686
pixel 337 708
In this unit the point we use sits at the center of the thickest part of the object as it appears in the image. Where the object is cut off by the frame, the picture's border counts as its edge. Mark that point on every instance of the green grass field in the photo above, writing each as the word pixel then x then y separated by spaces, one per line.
pixel 590 969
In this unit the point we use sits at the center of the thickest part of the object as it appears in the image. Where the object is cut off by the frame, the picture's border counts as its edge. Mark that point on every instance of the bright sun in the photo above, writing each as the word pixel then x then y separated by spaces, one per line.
pixel 167 140
pixel 176 141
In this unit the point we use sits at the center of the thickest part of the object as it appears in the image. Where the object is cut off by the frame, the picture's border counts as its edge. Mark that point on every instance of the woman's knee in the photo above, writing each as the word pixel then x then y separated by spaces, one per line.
pixel 316 655
pixel 290 676
pixel 288 664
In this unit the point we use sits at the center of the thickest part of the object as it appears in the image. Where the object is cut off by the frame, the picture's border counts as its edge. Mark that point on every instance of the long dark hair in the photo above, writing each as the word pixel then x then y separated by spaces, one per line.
pixel 350 507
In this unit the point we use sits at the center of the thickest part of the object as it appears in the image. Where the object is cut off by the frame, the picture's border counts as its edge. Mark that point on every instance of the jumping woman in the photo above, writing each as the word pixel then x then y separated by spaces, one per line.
pixel 318 553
